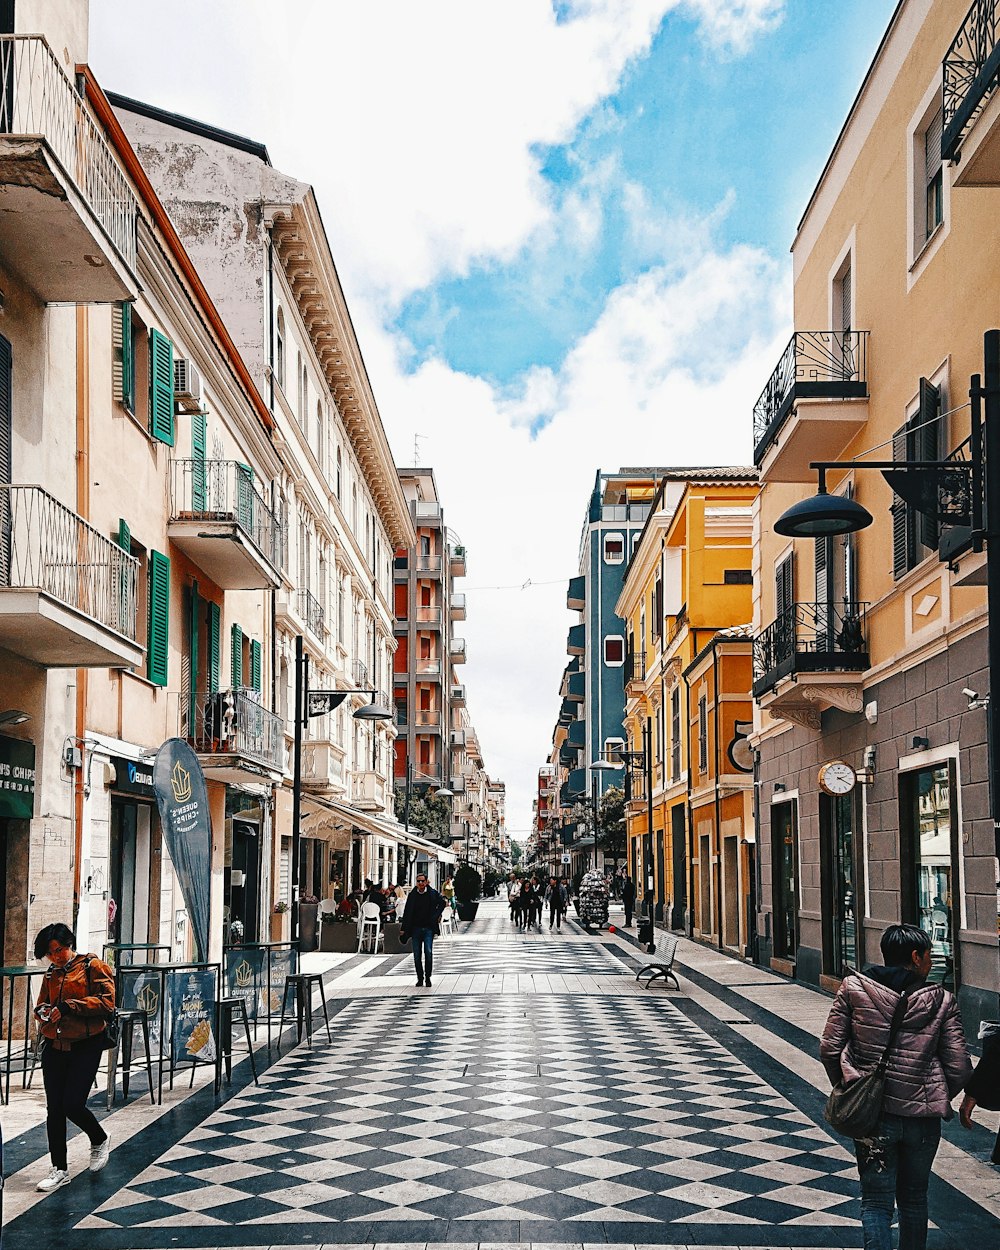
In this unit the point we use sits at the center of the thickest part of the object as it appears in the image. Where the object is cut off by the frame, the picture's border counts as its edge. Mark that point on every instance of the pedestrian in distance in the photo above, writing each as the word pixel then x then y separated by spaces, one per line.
pixel 628 899
pixel 927 1065
pixel 74 1005
pixel 513 899
pixel 421 922
pixel 555 896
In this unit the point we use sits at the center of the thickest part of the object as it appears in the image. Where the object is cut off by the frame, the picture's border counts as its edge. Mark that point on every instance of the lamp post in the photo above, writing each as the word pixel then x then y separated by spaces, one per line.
pixel 310 703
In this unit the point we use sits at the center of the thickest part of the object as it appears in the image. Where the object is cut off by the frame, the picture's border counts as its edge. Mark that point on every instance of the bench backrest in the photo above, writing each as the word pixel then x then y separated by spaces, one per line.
pixel 666 947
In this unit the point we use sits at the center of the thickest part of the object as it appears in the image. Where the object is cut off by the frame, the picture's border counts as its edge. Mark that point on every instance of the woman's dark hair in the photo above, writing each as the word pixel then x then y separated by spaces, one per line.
pixel 60 933
pixel 899 942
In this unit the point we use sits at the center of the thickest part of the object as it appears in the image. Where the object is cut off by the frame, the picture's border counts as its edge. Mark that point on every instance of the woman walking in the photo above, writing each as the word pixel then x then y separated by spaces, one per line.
pixel 76 1001
pixel 928 1064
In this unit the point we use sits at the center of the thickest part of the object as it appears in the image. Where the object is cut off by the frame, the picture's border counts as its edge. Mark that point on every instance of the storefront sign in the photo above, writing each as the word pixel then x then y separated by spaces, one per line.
pixel 245 976
pixel 17 779
pixel 133 778
pixel 272 995
pixel 192 1016
pixel 182 797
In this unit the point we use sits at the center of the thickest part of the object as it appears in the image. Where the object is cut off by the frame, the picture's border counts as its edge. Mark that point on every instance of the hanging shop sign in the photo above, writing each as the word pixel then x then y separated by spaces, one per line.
pixel 182 797
pixel 133 778
pixel 17 779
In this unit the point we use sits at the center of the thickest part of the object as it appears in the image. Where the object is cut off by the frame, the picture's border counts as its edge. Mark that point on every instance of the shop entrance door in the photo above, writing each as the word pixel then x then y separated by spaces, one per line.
pixel 244 886
pixel 785 878
pixel 840 894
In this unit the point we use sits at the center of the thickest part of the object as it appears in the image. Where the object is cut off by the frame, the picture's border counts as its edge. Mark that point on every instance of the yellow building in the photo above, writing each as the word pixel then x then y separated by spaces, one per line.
pixel 686 602
pixel 863 644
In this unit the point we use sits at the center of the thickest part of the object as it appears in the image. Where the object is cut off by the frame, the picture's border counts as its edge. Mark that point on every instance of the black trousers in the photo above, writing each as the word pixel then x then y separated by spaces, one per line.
pixel 68 1076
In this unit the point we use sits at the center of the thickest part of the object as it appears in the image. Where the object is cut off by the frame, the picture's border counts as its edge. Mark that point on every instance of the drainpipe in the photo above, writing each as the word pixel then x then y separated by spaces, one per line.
pixel 688 832
pixel 83 510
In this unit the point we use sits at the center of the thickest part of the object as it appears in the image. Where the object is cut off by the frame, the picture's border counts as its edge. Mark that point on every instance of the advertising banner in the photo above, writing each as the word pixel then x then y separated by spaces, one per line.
pixel 245 976
pixel 281 967
pixel 192 1015
pixel 140 991
pixel 182 797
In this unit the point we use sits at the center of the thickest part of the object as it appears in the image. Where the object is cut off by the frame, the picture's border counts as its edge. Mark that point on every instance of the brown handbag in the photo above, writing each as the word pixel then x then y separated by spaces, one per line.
pixel 855 1108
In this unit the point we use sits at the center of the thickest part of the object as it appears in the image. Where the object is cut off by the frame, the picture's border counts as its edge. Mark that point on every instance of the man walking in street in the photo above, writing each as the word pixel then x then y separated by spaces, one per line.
pixel 555 896
pixel 420 921
pixel 628 899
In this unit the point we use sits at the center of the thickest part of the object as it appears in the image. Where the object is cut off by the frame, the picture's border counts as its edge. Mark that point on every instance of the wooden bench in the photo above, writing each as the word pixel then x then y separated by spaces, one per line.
pixel 662 966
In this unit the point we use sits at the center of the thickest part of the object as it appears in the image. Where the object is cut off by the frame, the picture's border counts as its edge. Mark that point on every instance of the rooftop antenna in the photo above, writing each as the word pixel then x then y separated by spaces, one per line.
pixel 416 449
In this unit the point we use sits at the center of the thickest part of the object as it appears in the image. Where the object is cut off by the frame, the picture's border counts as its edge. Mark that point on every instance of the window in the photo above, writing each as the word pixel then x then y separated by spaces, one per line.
pixel 703 733
pixel 614 549
pixel 279 350
pixel 675 733
pixel 913 533
pixel 614 650
pixel 929 851
pixel 339 471
pixel 932 171
pixel 656 624
pixel 318 433
pixel 612 747
pixel 737 577
pixel 301 380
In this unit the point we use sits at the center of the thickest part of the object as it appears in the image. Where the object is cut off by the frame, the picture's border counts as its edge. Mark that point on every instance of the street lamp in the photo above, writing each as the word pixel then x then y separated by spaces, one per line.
pixel 310 703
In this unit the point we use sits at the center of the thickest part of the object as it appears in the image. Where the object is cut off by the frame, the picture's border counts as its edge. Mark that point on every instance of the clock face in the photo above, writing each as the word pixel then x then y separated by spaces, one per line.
pixel 837 777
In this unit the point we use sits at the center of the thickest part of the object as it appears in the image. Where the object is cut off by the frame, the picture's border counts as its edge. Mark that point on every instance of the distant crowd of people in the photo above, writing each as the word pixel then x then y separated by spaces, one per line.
pixel 528 897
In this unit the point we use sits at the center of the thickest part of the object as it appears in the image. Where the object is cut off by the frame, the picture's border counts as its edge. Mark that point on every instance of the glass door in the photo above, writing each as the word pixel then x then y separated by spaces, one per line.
pixel 785 876
pixel 840 892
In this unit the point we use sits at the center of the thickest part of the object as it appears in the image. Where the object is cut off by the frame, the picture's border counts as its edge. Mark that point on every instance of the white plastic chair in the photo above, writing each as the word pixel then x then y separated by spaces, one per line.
pixel 449 924
pixel 370 927
pixel 327 907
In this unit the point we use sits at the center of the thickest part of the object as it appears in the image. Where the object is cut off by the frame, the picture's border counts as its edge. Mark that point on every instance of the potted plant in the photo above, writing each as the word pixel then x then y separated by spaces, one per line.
pixel 468 891
pixel 279 922
pixel 338 931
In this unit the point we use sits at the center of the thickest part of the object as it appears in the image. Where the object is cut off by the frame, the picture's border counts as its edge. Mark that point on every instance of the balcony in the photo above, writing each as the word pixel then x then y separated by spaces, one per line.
pixel 428 618
pixel 457 784
pixel 322 765
pixel 567 712
pixel 67 593
pixel 577 735
pixel 426 720
pixel 576 594
pixel 576 640
pixel 458 696
pixel 368 791
pixel 222 522
pixel 427 670
pixel 634 672
pixel 458 652
pixel 235 738
pixel 971 104
pixel 824 648
pixel 456 560
pixel 576 687
pixel 569 754
pixel 457 607
pixel 360 676
pixel 311 611
pixel 427 565
pixel 458 738
pixel 68 214
pixel 578 783
pixel 426 510
pixel 815 402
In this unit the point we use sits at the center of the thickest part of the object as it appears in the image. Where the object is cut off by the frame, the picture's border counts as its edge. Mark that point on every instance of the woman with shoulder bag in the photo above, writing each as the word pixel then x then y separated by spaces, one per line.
pixel 75 1004
pixel 926 1065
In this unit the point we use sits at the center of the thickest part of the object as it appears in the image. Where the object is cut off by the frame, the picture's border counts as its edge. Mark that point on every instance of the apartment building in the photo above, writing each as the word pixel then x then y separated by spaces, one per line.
pixel 686 603
pixel 336 492
pixel 873 779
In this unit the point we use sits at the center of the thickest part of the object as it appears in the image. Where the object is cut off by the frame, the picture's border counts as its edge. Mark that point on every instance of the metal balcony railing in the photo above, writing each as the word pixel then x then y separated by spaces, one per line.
pixel 225 490
pixel 359 674
pixel 45 546
pixel 969 74
pixel 311 611
pixel 232 722
pixel 635 666
pixel 816 364
pixel 428 564
pixel 811 638
pixel 37 97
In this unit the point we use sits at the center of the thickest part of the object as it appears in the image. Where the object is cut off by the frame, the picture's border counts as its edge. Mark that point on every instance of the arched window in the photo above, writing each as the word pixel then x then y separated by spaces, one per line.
pixel 279 350
pixel 302 398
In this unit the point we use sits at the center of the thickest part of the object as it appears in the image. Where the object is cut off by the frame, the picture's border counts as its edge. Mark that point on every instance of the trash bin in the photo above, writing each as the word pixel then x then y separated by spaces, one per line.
pixel 308 936
pixel 645 933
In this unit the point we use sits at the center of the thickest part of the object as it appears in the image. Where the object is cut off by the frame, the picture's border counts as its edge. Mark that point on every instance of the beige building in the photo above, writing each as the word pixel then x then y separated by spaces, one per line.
pixel 864 645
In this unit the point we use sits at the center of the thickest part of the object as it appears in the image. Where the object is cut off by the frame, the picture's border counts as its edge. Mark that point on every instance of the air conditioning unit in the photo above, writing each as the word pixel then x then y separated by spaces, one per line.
pixel 187 385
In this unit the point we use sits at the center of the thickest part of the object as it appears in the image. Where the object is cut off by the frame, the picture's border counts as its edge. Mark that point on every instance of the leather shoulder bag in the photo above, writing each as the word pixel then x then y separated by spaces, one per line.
pixel 855 1108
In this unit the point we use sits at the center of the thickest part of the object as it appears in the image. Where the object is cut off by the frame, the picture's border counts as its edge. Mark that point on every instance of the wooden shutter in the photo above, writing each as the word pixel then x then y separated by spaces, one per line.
pixel 161 387
pixel 214 632
pixel 784 587
pixel 244 497
pixel 902 527
pixel 255 664
pixel 236 657
pixel 198 438
pixel 845 301
pixel 128 359
pixel 929 445
pixel 159 618
pixel 124 535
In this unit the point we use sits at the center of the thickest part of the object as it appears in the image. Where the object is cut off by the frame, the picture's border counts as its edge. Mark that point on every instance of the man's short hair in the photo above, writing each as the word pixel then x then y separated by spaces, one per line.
pixel 899 942
pixel 60 933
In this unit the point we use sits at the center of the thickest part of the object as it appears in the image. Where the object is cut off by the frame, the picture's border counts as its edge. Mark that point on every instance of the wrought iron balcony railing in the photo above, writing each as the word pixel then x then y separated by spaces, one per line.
pixel 816 364
pixel 359 674
pixel 811 638
pixel 45 546
pixel 635 666
pixel 969 72
pixel 232 723
pixel 225 490
pixel 311 611
pixel 37 97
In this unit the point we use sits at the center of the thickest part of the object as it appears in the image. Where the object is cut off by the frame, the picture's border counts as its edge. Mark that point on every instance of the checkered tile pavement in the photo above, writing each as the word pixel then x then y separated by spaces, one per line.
pixel 533 954
pixel 603 1111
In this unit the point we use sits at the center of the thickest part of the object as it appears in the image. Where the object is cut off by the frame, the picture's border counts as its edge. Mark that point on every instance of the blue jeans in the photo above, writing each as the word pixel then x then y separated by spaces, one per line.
pixel 895 1167
pixel 423 952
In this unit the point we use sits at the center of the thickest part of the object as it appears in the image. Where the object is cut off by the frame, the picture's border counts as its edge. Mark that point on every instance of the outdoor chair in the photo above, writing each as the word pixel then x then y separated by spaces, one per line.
pixel 370 928
pixel 449 925
pixel 662 967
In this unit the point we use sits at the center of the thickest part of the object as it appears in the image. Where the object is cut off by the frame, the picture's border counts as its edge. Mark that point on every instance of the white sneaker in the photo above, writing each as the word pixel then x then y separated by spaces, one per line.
pixel 99 1155
pixel 54 1179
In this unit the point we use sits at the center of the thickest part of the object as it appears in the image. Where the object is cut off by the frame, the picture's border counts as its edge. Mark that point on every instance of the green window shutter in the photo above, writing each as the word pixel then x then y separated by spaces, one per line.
pixel 128 360
pixel 255 658
pixel 244 497
pixel 929 446
pixel 214 632
pixel 124 535
pixel 198 438
pixel 159 617
pixel 236 656
pixel 161 387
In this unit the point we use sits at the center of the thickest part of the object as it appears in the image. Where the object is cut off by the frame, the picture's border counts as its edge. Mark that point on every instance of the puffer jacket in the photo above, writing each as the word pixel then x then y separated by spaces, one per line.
pixel 85 998
pixel 929 1061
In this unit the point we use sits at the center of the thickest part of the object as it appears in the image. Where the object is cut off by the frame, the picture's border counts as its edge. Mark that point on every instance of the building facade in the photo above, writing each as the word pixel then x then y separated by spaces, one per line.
pixel 866 645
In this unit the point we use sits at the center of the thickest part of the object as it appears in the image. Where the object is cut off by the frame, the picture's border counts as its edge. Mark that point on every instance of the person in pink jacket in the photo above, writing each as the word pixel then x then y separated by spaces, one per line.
pixel 928 1065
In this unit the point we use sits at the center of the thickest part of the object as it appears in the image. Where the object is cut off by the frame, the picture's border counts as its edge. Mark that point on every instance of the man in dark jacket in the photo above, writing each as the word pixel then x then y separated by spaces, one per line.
pixel 420 921
pixel 556 897
pixel 628 899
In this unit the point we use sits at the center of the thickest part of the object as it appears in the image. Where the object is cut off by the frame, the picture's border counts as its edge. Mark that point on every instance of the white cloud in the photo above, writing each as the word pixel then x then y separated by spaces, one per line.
pixel 732 27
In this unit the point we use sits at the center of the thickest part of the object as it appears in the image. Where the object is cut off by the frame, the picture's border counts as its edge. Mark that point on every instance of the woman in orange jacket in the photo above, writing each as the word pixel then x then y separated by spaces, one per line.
pixel 76 1001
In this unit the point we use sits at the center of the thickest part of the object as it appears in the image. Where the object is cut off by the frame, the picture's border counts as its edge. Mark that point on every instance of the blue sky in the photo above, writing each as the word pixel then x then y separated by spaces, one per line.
pixel 739 139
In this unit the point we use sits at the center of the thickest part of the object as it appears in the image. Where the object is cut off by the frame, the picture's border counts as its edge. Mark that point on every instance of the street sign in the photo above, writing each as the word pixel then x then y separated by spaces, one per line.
pixel 566 858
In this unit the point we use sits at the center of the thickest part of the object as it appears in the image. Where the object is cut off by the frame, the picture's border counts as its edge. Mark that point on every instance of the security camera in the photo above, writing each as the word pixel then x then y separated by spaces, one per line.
pixel 969 694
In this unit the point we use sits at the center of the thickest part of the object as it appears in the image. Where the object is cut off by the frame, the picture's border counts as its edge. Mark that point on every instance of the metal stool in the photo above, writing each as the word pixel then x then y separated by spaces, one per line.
pixel 226 1008
pixel 302 984
pixel 128 1020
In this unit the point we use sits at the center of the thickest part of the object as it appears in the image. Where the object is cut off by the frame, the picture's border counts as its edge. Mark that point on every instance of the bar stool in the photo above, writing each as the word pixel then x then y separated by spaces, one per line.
pixel 227 1006
pixel 302 984
pixel 128 1019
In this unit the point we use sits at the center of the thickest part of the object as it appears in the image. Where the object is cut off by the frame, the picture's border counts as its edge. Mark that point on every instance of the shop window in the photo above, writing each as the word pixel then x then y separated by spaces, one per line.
pixel 929 853
pixel 614 549
pixel 784 876
pixel 614 651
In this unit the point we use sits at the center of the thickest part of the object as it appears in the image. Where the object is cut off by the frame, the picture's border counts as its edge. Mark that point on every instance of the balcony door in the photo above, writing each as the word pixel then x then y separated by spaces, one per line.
pixel 836 584
pixel 785 878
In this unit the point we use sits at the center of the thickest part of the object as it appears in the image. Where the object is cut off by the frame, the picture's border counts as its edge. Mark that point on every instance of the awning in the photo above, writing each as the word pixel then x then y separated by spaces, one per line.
pixel 334 822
